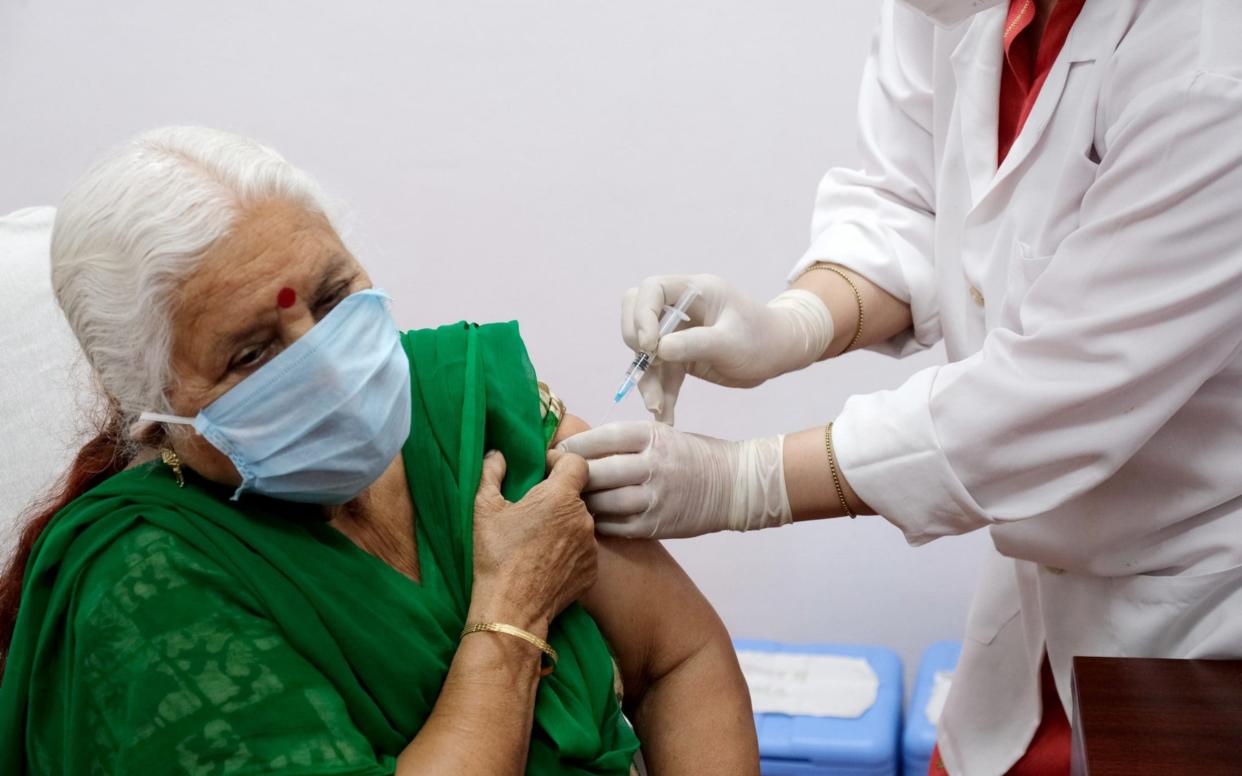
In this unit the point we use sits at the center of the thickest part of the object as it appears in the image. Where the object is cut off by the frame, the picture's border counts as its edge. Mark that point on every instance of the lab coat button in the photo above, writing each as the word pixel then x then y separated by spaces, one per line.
pixel 1054 570
pixel 976 295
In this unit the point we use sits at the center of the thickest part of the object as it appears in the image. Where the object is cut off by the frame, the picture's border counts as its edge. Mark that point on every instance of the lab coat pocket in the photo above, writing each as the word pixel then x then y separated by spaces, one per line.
pixel 1024 270
pixel 1186 615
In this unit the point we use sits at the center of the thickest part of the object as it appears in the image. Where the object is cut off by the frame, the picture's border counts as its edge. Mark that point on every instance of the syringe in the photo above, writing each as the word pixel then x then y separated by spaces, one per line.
pixel 673 317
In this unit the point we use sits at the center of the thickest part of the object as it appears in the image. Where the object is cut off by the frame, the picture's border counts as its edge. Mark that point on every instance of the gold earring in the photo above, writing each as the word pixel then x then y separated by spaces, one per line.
pixel 173 461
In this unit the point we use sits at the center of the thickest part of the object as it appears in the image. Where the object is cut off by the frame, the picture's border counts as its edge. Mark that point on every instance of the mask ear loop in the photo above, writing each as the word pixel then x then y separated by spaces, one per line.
pixel 159 417
pixel 219 443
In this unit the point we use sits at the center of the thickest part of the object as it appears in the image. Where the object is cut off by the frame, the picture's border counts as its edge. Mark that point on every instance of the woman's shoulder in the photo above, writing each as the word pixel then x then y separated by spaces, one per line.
pixel 170 652
pixel 143 544
pixel 126 529
pixel 150 603
pixel 145 575
pixel 119 525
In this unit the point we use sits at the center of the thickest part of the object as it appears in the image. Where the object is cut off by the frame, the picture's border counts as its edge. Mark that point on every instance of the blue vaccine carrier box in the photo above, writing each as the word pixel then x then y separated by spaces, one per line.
pixel 827 746
pixel 920 734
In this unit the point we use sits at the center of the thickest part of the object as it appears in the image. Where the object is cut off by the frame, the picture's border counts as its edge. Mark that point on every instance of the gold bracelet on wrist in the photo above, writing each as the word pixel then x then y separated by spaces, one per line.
pixel 528 637
pixel 857 299
pixel 836 473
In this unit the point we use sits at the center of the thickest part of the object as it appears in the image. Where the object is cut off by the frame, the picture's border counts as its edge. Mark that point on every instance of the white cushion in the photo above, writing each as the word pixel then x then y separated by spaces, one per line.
pixel 46 397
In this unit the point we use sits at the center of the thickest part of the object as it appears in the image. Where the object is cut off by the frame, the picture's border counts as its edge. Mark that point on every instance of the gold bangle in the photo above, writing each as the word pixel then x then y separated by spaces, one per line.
pixel 836 476
pixel 857 299
pixel 509 630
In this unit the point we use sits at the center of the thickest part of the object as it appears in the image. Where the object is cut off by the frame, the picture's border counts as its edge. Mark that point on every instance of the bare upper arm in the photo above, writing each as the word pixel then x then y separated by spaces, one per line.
pixel 652 614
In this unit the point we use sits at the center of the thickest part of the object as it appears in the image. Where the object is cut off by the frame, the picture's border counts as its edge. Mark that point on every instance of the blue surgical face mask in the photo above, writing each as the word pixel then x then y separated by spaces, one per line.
pixel 323 418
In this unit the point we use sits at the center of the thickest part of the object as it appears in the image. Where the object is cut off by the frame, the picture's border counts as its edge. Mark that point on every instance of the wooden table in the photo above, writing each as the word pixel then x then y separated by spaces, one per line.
pixel 1134 717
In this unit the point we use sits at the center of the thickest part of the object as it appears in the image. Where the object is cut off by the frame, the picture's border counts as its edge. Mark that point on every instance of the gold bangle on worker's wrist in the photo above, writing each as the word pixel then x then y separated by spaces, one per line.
pixel 527 636
pixel 836 473
pixel 857 299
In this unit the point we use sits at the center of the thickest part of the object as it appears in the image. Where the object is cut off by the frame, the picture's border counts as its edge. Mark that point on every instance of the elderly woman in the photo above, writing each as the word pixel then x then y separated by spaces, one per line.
pixel 291 551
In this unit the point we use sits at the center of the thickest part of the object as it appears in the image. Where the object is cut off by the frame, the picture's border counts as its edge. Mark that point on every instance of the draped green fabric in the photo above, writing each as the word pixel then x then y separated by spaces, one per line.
pixel 169 630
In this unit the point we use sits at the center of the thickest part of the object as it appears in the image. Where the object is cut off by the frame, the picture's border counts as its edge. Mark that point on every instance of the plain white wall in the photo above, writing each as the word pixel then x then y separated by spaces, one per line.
pixel 531 160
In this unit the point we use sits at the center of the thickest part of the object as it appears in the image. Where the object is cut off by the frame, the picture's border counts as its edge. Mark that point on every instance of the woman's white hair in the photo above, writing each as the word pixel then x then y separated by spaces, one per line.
pixel 135 226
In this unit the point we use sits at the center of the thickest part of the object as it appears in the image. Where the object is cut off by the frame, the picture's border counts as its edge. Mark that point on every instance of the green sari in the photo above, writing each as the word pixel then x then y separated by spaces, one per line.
pixel 170 630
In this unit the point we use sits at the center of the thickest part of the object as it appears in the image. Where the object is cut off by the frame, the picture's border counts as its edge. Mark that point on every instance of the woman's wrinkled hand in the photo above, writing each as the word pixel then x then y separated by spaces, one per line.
pixel 534 557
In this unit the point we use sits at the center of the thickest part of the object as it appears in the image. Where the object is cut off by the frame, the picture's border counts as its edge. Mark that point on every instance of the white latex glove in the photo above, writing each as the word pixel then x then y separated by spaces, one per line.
pixel 650 481
pixel 730 339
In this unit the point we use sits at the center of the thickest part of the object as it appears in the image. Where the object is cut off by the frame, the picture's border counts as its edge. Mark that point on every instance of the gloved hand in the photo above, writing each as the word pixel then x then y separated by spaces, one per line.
pixel 648 480
pixel 730 339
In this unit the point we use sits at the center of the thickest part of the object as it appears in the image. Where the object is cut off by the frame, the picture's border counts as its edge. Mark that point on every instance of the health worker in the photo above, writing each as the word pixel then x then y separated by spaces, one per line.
pixel 1054 191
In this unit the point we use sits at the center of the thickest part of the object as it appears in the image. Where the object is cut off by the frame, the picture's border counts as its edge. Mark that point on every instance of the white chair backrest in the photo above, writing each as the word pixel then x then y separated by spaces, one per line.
pixel 46 396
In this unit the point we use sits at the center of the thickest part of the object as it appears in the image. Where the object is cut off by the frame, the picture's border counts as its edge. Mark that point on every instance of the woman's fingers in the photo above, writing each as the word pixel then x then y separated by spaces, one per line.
pixel 492 478
pixel 536 555
pixel 568 470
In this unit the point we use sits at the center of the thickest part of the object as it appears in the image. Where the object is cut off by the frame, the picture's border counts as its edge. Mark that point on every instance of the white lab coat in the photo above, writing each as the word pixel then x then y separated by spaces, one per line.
pixel 1089 295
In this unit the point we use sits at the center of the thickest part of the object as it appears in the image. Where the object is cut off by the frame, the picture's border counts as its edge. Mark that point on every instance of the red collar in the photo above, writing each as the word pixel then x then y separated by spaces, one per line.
pixel 1026 67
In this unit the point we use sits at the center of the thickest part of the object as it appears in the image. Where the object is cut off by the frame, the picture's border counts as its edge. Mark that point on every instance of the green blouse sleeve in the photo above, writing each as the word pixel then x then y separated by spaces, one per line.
pixel 552 409
pixel 173 657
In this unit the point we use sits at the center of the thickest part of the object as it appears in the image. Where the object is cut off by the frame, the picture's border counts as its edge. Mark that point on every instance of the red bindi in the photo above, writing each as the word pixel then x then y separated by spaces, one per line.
pixel 286 297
